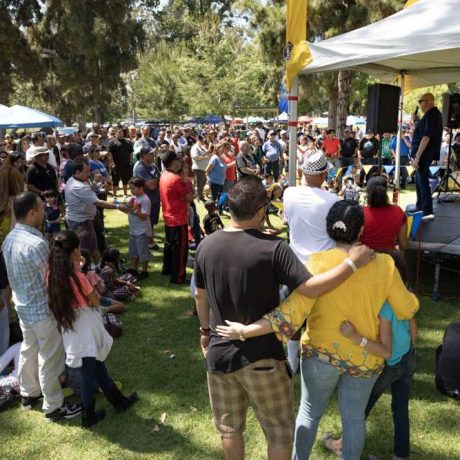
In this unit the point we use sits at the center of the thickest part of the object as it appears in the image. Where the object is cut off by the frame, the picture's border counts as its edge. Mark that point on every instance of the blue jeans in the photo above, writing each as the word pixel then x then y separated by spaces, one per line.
pixel 345 162
pixel 93 374
pixel 319 379
pixel 273 167
pixel 399 378
pixel 216 190
pixel 422 186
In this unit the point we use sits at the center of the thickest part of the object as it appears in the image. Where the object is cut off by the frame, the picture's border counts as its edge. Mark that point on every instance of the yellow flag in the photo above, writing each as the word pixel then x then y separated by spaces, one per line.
pixel 410 3
pixel 297 53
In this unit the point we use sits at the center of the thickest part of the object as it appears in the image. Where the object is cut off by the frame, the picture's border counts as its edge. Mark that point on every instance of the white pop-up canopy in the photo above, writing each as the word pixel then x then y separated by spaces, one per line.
pixel 422 42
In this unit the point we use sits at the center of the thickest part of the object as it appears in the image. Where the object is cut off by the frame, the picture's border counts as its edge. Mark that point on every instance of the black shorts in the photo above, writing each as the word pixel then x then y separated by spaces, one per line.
pixel 154 213
pixel 121 173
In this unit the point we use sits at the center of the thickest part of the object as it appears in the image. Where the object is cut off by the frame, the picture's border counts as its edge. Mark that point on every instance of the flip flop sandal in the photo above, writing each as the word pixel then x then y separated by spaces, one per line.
pixel 327 438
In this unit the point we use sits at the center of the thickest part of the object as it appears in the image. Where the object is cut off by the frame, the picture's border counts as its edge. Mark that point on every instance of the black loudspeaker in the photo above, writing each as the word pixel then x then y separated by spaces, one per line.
pixel 382 109
pixel 451 110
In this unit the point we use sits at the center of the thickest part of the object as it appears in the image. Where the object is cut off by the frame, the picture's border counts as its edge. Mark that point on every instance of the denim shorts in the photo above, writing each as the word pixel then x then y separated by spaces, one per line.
pixel 105 302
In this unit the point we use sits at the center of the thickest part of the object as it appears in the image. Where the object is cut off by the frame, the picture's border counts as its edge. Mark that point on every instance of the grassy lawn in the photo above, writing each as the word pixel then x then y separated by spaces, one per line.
pixel 159 356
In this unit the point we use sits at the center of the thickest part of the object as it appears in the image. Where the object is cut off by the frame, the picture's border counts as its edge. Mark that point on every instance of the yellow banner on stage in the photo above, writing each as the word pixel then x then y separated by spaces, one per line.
pixel 367 168
pixel 297 52
pixel 410 3
pixel 410 170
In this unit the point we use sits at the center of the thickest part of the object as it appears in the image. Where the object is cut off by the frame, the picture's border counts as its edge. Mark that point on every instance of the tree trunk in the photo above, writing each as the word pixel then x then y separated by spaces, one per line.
pixel 98 114
pixel 332 116
pixel 344 84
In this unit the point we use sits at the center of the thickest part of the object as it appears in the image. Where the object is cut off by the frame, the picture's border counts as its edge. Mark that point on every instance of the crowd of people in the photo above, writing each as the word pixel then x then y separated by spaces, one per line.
pixel 347 310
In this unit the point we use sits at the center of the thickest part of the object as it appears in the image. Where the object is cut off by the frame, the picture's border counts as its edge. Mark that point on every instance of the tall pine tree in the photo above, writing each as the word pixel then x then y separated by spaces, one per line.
pixel 92 44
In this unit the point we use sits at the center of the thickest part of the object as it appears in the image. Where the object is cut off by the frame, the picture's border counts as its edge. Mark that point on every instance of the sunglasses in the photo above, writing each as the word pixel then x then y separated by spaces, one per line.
pixel 265 204
pixel 421 100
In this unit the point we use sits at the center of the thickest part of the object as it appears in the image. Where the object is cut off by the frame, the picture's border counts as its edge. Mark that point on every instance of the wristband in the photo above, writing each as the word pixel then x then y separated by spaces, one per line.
pixel 351 264
pixel 363 342
pixel 242 337
pixel 205 331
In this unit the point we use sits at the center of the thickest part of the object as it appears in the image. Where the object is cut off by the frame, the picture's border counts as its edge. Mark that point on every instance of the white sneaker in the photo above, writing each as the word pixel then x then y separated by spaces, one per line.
pixel 428 217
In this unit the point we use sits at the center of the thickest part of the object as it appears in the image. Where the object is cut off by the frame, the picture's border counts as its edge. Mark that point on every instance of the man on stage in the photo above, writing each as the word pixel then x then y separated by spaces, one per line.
pixel 426 146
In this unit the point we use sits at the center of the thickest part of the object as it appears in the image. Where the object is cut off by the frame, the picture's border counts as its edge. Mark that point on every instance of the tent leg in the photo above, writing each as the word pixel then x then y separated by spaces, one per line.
pixel 293 99
pixel 398 141
pixel 437 272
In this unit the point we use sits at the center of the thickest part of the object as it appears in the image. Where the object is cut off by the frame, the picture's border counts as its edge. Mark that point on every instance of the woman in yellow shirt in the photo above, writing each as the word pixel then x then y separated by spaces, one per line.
pixel 329 359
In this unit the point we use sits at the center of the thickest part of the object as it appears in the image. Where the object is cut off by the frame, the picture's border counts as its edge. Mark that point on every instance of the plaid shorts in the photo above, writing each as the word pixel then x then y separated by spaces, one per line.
pixel 85 231
pixel 265 385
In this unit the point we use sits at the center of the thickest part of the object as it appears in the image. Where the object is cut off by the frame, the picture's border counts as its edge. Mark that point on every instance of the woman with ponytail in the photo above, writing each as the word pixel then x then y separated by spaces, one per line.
pixel 86 342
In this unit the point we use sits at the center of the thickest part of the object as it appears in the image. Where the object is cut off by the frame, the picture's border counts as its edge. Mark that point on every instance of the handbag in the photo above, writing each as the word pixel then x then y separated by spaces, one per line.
pixel 113 325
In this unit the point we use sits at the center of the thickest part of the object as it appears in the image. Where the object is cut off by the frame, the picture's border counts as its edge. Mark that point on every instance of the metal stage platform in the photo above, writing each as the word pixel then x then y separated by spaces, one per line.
pixel 439 241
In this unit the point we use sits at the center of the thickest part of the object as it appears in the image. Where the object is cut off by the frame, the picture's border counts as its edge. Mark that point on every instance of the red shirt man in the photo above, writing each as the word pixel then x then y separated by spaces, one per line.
pixel 173 190
pixel 331 145
pixel 175 195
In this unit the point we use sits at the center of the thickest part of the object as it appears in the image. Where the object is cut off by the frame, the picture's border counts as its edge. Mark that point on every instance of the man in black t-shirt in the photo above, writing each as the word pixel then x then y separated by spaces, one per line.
pixel 41 176
pixel 122 170
pixel 238 272
pixel 426 147
pixel 369 150
pixel 348 149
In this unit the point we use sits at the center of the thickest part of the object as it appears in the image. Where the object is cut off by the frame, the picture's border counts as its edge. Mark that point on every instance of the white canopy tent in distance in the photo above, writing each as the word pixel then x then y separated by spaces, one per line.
pixel 419 45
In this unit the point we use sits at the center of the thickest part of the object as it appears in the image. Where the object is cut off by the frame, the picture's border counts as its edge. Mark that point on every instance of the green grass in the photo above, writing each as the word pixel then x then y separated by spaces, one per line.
pixel 154 329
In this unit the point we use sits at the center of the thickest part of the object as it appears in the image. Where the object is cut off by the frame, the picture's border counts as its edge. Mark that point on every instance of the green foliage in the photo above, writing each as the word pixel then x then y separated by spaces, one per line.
pixel 92 46
pixel 179 19
pixel 411 99
pixel 19 59
pixel 214 72
pixel 159 86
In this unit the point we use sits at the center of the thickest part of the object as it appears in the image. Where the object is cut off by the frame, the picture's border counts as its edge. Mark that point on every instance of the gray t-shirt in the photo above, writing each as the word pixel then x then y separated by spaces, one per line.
pixel 197 151
pixel 138 226
pixel 79 199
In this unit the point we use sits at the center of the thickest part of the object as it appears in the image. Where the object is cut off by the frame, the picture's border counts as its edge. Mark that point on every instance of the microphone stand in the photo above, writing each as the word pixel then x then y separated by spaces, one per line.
pixel 443 186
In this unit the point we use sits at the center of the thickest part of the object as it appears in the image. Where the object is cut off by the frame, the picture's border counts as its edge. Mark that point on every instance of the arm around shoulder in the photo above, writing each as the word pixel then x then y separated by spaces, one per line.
pixel 404 303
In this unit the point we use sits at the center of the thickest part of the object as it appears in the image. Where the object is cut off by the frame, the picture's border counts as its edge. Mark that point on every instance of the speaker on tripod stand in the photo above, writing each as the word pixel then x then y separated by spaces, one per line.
pixel 451 118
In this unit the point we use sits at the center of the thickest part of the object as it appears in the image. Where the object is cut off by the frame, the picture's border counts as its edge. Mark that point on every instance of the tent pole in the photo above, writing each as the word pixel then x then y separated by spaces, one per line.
pixel 293 100
pixel 398 140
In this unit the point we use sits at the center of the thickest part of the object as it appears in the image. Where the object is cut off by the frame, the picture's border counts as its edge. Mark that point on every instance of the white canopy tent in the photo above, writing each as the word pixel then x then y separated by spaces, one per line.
pixel 420 44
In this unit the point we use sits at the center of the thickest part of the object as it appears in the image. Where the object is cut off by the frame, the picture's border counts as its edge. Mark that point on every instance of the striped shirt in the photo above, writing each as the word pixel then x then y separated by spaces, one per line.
pixel 26 259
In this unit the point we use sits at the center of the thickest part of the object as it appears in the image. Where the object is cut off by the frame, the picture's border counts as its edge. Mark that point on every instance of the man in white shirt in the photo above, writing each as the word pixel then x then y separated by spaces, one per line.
pixel 305 210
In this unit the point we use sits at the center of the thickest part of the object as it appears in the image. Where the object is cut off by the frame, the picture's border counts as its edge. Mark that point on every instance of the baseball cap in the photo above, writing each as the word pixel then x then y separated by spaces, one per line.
pixel 145 151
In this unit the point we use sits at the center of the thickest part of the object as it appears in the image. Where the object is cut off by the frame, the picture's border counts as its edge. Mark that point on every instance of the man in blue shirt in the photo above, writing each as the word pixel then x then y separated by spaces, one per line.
pixel 426 147
pixel 146 169
pixel 272 151
pixel 405 153
pixel 42 352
